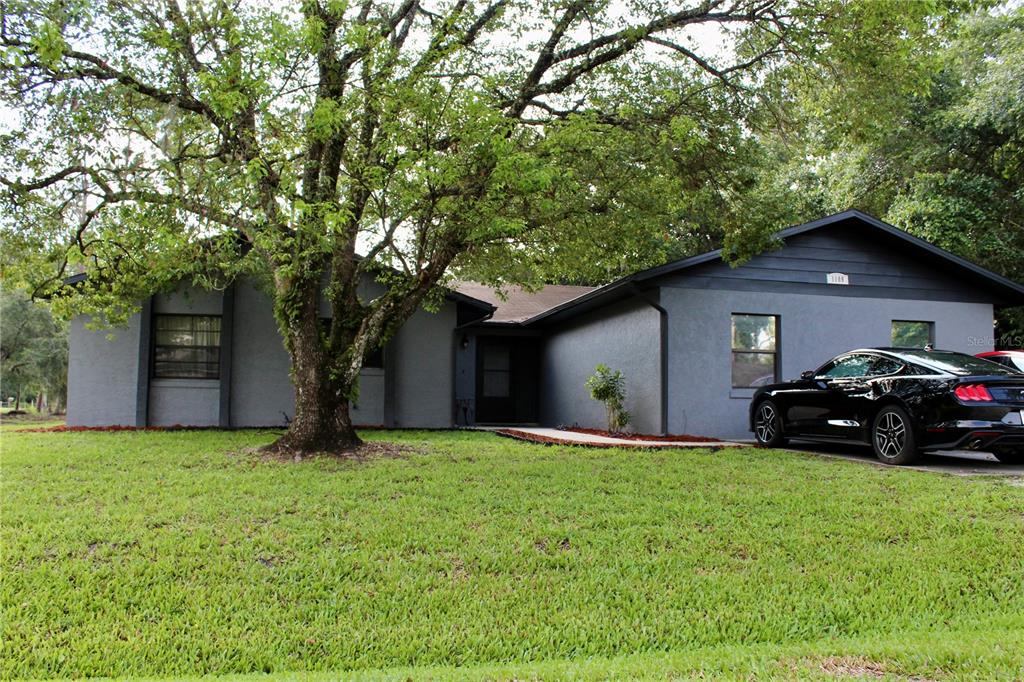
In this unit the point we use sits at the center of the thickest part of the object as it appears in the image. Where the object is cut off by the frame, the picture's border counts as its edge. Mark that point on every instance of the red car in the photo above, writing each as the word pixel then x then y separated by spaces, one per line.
pixel 1014 359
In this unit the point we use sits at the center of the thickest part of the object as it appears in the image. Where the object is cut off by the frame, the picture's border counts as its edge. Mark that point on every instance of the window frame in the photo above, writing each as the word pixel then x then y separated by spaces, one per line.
pixel 777 353
pixel 154 374
pixel 929 323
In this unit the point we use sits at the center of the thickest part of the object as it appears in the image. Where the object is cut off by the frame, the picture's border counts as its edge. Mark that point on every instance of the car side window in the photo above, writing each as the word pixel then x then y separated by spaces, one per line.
pixel 850 366
pixel 881 367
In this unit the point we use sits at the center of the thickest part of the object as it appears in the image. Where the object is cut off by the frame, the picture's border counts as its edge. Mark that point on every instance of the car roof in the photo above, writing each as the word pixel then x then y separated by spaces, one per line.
pixel 904 354
pixel 999 353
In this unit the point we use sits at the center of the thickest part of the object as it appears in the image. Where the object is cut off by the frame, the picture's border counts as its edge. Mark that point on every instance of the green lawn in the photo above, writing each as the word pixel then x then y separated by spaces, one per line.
pixel 178 554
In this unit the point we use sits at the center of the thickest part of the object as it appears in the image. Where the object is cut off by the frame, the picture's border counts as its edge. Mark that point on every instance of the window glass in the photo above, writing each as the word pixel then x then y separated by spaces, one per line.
pixel 753 332
pixel 186 346
pixel 849 366
pixel 884 366
pixel 497 365
pixel 754 350
pixel 908 334
pixel 955 363
pixel 753 369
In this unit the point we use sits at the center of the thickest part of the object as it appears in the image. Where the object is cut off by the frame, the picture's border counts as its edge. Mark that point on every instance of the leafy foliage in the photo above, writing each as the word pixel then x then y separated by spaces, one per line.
pixel 609 387
pixel 33 350
pixel 945 161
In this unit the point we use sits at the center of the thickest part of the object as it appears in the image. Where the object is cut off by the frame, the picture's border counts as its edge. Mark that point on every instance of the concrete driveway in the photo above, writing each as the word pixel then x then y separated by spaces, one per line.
pixel 958 463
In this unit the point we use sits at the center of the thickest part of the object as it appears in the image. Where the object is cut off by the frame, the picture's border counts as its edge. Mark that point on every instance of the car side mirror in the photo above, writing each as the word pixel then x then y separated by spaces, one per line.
pixel 807 374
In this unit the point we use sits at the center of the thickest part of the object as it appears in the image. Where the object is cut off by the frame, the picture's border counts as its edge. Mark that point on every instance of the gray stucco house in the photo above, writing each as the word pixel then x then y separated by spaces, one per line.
pixel 693 338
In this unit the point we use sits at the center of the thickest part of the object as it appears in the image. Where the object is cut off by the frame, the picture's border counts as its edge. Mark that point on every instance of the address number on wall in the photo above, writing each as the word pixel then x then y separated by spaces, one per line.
pixel 837 278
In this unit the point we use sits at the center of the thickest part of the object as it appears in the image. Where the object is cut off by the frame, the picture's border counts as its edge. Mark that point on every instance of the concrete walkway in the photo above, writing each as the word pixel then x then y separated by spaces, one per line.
pixel 576 438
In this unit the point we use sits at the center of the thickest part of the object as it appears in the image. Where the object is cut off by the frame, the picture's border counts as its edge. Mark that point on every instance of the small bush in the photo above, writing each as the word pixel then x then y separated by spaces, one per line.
pixel 609 387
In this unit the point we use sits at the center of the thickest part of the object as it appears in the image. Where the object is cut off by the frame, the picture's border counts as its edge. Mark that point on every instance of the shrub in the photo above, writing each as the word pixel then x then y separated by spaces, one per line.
pixel 609 387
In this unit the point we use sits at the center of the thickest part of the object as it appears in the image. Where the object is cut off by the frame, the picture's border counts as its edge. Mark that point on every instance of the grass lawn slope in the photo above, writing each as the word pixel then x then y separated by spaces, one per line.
pixel 181 554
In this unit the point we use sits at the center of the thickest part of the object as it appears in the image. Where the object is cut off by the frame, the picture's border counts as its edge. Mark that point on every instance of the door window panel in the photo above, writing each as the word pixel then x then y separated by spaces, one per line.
pixel 850 366
pixel 497 372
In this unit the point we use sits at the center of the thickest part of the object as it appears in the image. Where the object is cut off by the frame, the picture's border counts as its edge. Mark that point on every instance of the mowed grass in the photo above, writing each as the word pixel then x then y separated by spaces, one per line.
pixel 182 554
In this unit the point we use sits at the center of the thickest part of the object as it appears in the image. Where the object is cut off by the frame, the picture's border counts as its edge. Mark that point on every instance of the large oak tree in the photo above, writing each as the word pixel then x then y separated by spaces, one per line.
pixel 400 139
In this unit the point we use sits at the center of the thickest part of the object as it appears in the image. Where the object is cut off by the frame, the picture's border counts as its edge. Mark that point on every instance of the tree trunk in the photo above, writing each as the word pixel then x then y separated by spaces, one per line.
pixel 322 422
pixel 17 399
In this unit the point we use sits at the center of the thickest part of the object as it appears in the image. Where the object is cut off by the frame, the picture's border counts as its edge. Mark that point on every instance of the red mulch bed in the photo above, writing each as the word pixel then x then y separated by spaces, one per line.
pixel 684 438
pixel 545 440
pixel 61 428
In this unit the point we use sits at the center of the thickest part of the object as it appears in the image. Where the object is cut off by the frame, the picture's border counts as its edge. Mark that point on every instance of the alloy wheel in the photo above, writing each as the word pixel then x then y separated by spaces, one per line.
pixel 765 426
pixel 891 435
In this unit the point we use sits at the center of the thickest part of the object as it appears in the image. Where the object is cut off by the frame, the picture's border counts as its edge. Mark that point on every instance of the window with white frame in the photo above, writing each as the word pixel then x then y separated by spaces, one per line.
pixel 755 357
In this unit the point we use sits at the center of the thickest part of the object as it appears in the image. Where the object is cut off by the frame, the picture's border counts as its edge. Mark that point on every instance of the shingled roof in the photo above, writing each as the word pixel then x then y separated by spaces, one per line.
pixel 518 304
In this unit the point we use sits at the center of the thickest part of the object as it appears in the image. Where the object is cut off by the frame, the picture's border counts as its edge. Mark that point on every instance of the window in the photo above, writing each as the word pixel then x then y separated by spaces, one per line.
pixel 755 360
pixel 849 366
pixel 885 366
pixel 909 334
pixel 186 346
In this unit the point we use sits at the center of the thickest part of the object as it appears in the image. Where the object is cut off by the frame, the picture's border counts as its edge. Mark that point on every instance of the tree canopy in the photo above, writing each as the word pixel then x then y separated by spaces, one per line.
pixel 947 163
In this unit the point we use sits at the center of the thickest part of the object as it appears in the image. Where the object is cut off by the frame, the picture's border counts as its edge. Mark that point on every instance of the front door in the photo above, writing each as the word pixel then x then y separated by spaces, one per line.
pixel 506 379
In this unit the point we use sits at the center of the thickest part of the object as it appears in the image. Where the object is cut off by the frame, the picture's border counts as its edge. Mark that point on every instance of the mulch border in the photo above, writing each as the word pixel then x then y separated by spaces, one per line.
pixel 678 438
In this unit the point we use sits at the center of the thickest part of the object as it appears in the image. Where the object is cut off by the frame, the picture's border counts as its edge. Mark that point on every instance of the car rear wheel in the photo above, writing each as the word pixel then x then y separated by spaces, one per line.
pixel 892 436
pixel 768 425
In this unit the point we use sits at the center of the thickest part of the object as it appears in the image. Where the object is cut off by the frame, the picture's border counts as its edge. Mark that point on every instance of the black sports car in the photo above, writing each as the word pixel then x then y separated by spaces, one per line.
pixel 900 401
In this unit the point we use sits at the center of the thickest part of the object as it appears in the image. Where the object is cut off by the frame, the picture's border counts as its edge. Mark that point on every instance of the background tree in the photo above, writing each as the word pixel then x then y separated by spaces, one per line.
pixel 507 140
pixel 33 351
pixel 944 162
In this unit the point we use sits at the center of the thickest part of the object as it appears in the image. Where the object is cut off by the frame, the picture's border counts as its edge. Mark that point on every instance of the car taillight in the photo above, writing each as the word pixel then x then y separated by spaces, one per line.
pixel 973 393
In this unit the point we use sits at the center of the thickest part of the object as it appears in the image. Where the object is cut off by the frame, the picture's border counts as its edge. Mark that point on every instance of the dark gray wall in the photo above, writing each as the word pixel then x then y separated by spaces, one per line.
pixel 102 374
pixel 625 337
pixel 423 361
pixel 261 388
pixel 877 267
pixel 813 328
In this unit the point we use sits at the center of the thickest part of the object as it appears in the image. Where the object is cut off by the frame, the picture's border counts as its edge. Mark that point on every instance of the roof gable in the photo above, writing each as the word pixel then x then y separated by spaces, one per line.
pixel 925 267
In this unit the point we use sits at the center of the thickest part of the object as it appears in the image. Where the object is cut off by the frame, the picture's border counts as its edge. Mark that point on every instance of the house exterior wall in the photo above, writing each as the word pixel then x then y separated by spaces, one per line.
pixel 261 392
pixel 103 374
pixel 261 388
pixel 812 329
pixel 876 268
pixel 423 355
pixel 625 337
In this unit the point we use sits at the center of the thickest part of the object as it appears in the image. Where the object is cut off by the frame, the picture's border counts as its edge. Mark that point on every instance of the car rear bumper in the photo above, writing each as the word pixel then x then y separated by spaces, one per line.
pixel 971 434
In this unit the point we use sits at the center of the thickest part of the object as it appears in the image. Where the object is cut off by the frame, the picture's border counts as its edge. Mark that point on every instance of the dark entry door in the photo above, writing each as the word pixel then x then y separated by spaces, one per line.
pixel 506 379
